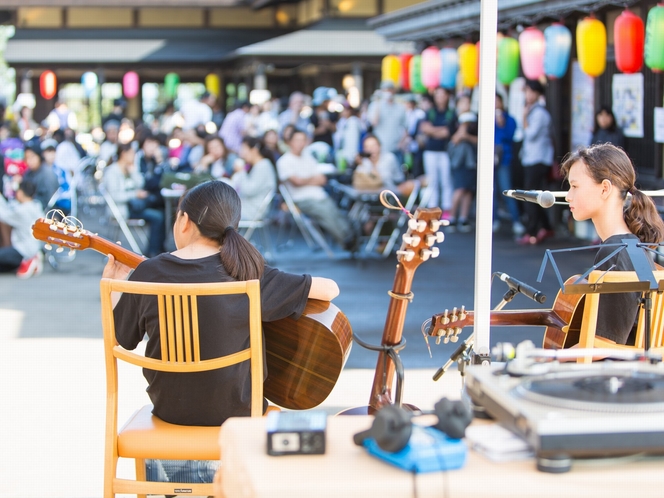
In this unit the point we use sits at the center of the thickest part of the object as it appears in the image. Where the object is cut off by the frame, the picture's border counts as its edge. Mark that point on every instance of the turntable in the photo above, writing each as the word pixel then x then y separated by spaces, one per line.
pixel 576 410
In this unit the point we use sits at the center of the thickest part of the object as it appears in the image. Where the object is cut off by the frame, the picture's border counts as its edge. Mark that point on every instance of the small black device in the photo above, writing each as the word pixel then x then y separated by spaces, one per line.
pixel 296 433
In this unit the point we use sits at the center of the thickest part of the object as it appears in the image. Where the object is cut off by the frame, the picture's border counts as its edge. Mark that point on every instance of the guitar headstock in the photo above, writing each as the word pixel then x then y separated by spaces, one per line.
pixel 418 242
pixel 66 233
pixel 448 325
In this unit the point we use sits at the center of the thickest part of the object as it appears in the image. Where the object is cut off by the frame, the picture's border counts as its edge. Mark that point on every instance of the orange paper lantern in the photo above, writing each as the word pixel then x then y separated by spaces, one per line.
pixel 48 85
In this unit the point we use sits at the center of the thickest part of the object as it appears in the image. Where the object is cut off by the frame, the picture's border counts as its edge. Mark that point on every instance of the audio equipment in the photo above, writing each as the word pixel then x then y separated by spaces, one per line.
pixel 542 197
pixel 296 433
pixel 522 288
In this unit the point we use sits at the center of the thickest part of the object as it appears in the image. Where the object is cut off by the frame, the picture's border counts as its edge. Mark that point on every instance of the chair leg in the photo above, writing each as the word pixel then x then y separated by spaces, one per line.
pixel 140 473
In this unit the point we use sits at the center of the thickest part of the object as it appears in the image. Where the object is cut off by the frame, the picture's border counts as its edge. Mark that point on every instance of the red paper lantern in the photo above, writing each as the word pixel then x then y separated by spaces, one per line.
pixel 629 38
pixel 48 85
pixel 404 76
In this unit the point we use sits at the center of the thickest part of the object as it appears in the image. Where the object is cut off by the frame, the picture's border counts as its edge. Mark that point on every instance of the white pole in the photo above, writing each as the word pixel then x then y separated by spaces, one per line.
pixel 484 207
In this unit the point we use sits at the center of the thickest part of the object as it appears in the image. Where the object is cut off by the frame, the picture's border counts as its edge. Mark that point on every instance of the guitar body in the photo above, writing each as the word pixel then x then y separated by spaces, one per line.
pixel 304 357
pixel 570 309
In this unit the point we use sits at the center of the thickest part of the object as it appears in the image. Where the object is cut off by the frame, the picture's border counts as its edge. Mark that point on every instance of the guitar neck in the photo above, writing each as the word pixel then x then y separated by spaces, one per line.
pixel 121 254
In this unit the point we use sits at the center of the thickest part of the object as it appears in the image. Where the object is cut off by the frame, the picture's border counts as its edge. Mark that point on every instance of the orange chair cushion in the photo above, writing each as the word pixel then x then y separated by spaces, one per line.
pixel 147 436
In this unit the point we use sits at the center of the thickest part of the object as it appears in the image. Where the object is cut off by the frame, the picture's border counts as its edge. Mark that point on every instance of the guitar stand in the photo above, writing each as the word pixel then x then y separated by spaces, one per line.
pixel 393 352
pixel 462 354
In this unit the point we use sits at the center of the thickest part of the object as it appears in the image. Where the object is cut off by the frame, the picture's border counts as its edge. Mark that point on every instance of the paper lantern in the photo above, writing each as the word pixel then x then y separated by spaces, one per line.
pixel 130 84
pixel 390 69
pixel 404 71
pixel 591 46
pixel 531 48
pixel 477 65
pixel 415 74
pixel 212 84
pixel 628 41
pixel 89 81
pixel 171 82
pixel 654 51
pixel 48 85
pixel 508 60
pixel 449 68
pixel 431 67
pixel 468 64
pixel 557 48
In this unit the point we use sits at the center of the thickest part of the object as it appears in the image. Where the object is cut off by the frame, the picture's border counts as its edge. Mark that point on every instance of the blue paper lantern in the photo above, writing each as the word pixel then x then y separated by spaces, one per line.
pixel 89 81
pixel 557 47
pixel 449 67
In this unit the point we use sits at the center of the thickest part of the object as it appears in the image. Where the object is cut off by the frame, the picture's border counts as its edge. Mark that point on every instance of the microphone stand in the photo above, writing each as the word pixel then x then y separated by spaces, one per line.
pixel 462 354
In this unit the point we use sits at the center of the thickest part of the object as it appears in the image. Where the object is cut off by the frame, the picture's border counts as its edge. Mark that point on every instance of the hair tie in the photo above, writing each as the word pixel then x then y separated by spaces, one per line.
pixel 632 190
pixel 225 232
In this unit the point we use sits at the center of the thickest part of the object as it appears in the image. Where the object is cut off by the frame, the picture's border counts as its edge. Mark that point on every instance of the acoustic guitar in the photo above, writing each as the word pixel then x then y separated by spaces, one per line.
pixel 562 321
pixel 417 247
pixel 304 357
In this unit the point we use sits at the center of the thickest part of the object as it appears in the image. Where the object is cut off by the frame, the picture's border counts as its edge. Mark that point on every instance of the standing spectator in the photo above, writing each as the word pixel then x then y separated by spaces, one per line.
pixel 347 136
pixel 504 138
pixel 232 129
pixel 41 176
pixel 438 127
pixel 67 155
pixel 63 201
pixel 26 125
pixel 606 129
pixel 412 151
pixel 322 119
pixel 269 117
pixel 388 119
pixel 302 175
pixel 117 113
pixel 124 184
pixel 536 158
pixel 293 115
pixel 109 147
pixel 150 161
pixel 254 178
pixel 19 250
pixel 197 112
pixel 462 150
pixel 61 117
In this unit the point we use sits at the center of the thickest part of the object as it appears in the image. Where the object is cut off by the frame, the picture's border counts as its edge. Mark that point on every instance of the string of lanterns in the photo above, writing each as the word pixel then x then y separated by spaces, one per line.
pixel 537 54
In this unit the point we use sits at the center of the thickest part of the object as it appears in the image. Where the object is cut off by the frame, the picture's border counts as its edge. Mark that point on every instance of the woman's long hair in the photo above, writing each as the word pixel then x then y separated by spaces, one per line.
pixel 214 207
pixel 259 145
pixel 608 162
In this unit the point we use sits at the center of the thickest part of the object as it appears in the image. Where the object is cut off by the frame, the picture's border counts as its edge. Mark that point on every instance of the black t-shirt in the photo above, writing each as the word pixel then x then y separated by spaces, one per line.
pixel 204 398
pixel 617 314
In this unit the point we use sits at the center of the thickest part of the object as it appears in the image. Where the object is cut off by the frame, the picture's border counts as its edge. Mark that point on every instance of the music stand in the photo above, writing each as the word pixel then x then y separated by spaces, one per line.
pixel 643 266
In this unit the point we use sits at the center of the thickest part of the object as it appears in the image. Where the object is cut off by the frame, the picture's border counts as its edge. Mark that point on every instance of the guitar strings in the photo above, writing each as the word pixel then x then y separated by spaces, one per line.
pixel 424 328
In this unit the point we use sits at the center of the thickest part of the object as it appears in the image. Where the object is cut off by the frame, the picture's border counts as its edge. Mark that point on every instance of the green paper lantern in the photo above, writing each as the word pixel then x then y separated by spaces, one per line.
pixel 171 82
pixel 654 50
pixel 508 60
pixel 416 85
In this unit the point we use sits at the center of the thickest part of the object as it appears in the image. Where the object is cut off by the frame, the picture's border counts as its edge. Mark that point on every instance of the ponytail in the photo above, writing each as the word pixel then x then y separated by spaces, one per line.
pixel 239 257
pixel 643 219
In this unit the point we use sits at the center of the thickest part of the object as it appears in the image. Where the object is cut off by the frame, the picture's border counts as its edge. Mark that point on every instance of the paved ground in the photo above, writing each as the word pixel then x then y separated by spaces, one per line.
pixel 53 372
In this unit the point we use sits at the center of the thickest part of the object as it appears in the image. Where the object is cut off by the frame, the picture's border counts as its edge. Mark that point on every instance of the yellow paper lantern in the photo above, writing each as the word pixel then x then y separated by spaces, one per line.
pixel 390 69
pixel 212 84
pixel 468 60
pixel 591 46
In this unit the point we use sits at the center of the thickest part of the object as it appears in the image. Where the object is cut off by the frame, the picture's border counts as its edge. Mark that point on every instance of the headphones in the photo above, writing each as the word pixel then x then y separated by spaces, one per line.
pixel 393 426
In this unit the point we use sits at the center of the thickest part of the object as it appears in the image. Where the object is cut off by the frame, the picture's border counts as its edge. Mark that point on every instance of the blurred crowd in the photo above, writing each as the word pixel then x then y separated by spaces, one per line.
pixel 389 141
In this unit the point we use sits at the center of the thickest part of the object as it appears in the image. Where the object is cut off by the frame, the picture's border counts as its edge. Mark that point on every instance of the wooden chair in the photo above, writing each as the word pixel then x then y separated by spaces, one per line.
pixel 146 436
pixel 587 334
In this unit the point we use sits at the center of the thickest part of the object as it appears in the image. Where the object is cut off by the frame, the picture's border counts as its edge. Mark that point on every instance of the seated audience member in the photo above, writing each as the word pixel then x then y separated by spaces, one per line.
pixel 209 249
pixel 382 168
pixel 151 164
pixel 40 175
pixel 302 175
pixel 254 176
pixel 214 158
pixel 271 142
pixel 109 147
pixel 124 183
pixel 19 250
pixel 607 130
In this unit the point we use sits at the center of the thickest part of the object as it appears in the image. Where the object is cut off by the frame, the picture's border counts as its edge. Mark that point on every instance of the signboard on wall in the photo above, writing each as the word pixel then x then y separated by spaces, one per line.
pixel 583 108
pixel 627 92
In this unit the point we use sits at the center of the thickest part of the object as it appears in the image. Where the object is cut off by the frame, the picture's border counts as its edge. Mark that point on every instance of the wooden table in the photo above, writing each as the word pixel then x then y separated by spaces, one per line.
pixel 347 470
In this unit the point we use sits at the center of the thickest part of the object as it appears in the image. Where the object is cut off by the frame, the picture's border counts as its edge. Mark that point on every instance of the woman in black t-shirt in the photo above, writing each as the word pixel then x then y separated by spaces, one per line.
pixel 600 178
pixel 205 236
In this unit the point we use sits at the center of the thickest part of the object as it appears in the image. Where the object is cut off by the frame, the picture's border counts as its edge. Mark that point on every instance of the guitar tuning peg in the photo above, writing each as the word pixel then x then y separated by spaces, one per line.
pixel 71 253
pixel 417 225
pixel 446 339
pixel 434 225
pixel 59 250
pixel 432 239
pixel 411 240
pixel 48 247
pixel 408 254
pixel 462 313
pixel 425 254
pixel 438 341
pixel 53 226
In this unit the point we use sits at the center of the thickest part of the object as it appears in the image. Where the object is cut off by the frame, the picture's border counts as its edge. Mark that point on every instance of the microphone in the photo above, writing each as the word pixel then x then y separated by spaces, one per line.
pixel 522 288
pixel 542 197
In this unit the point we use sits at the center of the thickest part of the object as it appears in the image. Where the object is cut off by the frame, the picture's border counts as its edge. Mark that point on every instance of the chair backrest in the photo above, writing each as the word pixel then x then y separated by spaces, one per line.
pixel 179 332
pixel 262 212
pixel 588 338
pixel 119 218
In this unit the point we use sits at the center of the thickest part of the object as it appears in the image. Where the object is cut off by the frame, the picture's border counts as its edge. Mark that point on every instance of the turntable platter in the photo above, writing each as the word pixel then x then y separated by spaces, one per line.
pixel 610 391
